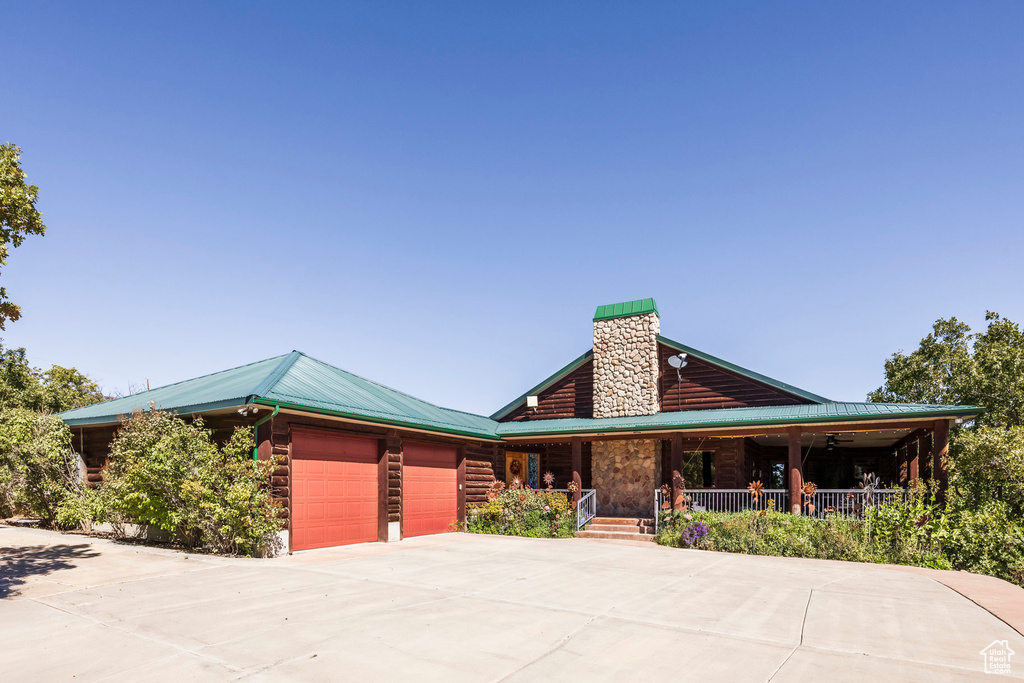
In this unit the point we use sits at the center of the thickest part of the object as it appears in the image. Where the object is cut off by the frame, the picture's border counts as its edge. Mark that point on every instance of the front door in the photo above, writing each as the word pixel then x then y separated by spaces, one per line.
pixel 516 467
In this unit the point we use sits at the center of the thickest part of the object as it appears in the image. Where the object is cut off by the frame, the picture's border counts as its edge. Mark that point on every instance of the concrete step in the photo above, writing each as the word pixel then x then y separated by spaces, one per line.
pixel 615 535
pixel 624 521
pixel 620 528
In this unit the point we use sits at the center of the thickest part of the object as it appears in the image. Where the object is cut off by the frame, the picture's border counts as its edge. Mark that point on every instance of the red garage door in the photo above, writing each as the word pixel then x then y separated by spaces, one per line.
pixel 429 489
pixel 334 501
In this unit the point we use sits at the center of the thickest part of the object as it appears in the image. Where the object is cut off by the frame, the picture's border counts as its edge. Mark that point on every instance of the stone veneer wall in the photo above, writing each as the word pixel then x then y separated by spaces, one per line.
pixel 626 366
pixel 625 474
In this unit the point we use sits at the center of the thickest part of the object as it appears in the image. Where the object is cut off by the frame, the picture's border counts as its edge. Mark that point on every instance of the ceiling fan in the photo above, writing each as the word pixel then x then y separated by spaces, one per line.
pixel 832 439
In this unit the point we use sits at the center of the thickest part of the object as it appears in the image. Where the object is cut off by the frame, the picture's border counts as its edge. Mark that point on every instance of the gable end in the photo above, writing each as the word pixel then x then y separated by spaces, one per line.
pixel 707 386
pixel 570 396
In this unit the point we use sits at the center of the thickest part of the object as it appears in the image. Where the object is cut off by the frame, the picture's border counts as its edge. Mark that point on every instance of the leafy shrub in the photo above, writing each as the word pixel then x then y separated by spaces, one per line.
pixel 910 530
pixel 39 471
pixel 521 511
pixel 886 536
pixel 169 473
pixel 988 540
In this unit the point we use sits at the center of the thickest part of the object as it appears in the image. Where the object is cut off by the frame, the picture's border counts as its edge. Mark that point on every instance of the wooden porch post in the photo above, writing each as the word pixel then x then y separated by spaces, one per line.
pixel 795 471
pixel 940 451
pixel 913 461
pixel 677 472
pixel 577 467
pixel 924 447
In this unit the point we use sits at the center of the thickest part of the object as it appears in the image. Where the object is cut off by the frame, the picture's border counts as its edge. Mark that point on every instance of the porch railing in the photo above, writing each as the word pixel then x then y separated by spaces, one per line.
pixel 733 500
pixel 586 509
pixel 849 502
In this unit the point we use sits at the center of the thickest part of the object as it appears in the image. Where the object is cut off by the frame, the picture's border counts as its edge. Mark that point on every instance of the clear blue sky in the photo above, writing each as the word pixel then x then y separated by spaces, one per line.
pixel 437 196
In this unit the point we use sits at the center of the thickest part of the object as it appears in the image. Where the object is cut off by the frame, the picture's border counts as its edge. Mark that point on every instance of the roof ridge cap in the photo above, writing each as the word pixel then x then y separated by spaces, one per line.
pixel 279 371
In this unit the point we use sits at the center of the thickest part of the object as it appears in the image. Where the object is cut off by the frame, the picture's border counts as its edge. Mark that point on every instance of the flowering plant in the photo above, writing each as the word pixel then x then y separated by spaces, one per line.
pixel 694 533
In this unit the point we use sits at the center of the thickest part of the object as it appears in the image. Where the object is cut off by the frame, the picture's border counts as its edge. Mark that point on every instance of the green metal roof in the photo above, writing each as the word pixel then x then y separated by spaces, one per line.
pixel 292 381
pixel 750 374
pixel 735 417
pixel 626 308
pixel 302 383
pixel 220 390
pixel 312 384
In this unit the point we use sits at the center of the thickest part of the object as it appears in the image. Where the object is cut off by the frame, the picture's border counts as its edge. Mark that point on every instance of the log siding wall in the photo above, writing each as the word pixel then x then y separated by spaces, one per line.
pixel 571 396
pixel 705 386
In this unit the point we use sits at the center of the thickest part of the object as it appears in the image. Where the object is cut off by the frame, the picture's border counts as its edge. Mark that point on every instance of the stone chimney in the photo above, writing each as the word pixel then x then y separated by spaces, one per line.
pixel 626 359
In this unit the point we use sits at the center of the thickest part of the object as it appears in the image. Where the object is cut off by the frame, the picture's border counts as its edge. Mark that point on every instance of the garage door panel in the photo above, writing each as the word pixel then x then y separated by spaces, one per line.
pixel 335 490
pixel 429 489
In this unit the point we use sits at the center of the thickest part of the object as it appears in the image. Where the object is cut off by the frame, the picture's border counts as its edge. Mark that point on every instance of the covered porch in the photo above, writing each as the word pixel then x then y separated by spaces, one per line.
pixel 702 466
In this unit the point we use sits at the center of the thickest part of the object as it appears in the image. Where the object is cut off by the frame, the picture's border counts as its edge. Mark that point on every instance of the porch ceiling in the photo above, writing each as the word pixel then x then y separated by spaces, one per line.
pixel 881 438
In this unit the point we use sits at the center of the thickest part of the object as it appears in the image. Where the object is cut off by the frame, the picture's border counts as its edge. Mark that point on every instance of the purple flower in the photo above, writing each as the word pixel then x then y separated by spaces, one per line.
pixel 693 533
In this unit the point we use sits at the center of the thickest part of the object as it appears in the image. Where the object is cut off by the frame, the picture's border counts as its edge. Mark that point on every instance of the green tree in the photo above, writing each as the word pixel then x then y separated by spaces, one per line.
pixel 18 217
pixel 53 391
pixel 998 379
pixel 67 388
pixel 19 383
pixel 952 365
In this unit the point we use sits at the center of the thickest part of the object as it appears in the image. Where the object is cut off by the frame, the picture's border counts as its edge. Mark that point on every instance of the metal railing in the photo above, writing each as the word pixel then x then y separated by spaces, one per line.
pixel 734 500
pixel 850 502
pixel 586 509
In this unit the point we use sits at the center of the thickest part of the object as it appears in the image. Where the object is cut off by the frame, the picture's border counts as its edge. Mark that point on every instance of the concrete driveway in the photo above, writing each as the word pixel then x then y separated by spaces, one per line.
pixel 461 607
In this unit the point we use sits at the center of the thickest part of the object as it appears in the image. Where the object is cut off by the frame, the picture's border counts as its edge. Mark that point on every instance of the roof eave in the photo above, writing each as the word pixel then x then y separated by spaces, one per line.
pixel 184 410
pixel 960 411
pixel 372 419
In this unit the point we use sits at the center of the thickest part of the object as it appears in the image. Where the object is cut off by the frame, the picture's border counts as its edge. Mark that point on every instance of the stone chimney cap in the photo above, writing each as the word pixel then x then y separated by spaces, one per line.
pixel 626 309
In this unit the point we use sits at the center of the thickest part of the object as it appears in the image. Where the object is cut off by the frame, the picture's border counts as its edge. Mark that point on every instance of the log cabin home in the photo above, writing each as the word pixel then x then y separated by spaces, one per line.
pixel 361 462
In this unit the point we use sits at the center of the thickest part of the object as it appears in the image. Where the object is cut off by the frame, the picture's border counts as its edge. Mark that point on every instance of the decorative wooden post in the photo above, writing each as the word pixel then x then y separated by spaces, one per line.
pixel 577 468
pixel 795 472
pixel 940 452
pixel 677 472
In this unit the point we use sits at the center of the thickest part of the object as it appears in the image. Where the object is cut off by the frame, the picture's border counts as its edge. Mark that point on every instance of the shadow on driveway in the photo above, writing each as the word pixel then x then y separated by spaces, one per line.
pixel 18 564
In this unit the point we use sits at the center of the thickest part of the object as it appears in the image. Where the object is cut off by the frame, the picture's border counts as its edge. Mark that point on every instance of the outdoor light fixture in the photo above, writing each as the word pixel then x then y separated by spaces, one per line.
pixel 532 402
